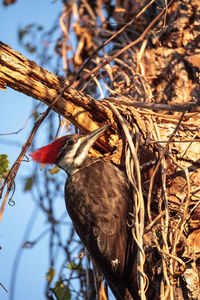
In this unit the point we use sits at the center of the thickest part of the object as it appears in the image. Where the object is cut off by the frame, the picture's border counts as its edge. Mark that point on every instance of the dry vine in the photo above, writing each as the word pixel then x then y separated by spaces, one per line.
pixel 149 80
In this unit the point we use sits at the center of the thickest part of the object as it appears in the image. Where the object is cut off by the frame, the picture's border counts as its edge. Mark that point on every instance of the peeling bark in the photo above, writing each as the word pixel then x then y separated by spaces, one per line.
pixel 168 68
pixel 26 76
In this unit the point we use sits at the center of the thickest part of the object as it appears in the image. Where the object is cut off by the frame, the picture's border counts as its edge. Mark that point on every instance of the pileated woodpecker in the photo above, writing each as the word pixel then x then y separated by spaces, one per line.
pixel 98 200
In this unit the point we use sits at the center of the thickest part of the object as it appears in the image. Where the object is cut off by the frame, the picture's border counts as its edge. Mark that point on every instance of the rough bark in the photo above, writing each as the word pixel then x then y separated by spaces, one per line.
pixel 25 76
pixel 168 66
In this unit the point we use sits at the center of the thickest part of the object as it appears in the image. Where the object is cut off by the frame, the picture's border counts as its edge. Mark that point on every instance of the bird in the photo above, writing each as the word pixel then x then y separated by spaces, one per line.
pixel 98 199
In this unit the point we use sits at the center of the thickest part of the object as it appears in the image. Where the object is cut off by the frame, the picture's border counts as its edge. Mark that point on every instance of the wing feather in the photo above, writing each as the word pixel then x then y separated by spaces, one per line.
pixel 98 200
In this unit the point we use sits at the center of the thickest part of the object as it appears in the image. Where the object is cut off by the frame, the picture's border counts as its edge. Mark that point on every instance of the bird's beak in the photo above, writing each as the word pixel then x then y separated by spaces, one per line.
pixel 96 133
pixel 89 139
pixel 93 136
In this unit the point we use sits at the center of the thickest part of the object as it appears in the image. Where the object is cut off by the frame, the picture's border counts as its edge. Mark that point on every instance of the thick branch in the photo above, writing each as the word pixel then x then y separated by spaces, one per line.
pixel 27 77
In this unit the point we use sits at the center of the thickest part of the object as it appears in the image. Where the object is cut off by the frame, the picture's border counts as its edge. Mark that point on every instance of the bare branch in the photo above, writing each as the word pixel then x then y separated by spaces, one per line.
pixel 27 77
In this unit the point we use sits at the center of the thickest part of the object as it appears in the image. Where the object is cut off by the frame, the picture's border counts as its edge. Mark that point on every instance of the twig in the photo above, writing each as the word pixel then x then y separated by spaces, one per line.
pixel 191 107
pixel 10 178
pixel 120 52
pixel 108 41
pixel 24 126
pixel 181 141
pixel 3 287
pixel 13 171
pixel 157 218
pixel 158 165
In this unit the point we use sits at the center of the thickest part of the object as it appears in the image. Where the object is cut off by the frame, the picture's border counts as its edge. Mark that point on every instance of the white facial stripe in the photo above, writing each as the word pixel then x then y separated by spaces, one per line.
pixel 73 158
pixel 82 152
pixel 68 159
pixel 79 159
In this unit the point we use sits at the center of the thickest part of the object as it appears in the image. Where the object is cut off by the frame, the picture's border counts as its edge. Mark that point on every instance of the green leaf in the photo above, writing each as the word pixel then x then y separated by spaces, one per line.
pixel 50 274
pixel 28 184
pixel 62 292
pixel 74 266
pixel 30 48
pixel 35 115
pixel 23 32
pixel 54 170
pixel 4 164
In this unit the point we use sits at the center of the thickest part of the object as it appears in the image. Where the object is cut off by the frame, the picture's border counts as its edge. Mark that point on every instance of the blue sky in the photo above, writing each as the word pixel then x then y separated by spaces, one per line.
pixel 15 109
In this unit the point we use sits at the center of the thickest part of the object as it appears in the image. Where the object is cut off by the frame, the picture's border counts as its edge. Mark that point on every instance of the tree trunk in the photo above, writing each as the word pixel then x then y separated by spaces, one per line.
pixel 155 94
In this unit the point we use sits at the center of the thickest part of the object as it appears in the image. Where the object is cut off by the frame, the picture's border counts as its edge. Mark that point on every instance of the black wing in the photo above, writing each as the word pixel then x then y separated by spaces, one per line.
pixel 98 200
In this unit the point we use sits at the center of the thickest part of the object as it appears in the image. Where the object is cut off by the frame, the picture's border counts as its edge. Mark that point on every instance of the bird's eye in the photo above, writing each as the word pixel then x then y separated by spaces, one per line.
pixel 70 142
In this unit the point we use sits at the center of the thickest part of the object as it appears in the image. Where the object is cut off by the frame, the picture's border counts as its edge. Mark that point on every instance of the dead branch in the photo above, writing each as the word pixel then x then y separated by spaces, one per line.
pixel 149 86
pixel 27 77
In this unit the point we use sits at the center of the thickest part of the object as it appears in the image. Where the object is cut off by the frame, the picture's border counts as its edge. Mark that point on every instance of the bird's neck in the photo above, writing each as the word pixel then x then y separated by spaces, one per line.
pixel 89 160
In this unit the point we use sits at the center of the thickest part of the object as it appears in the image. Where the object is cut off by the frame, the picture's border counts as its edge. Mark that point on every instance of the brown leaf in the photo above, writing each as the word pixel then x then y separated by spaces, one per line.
pixel 193 244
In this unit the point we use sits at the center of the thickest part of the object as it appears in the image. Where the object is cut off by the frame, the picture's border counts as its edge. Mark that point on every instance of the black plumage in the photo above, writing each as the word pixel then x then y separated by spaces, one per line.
pixel 98 200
